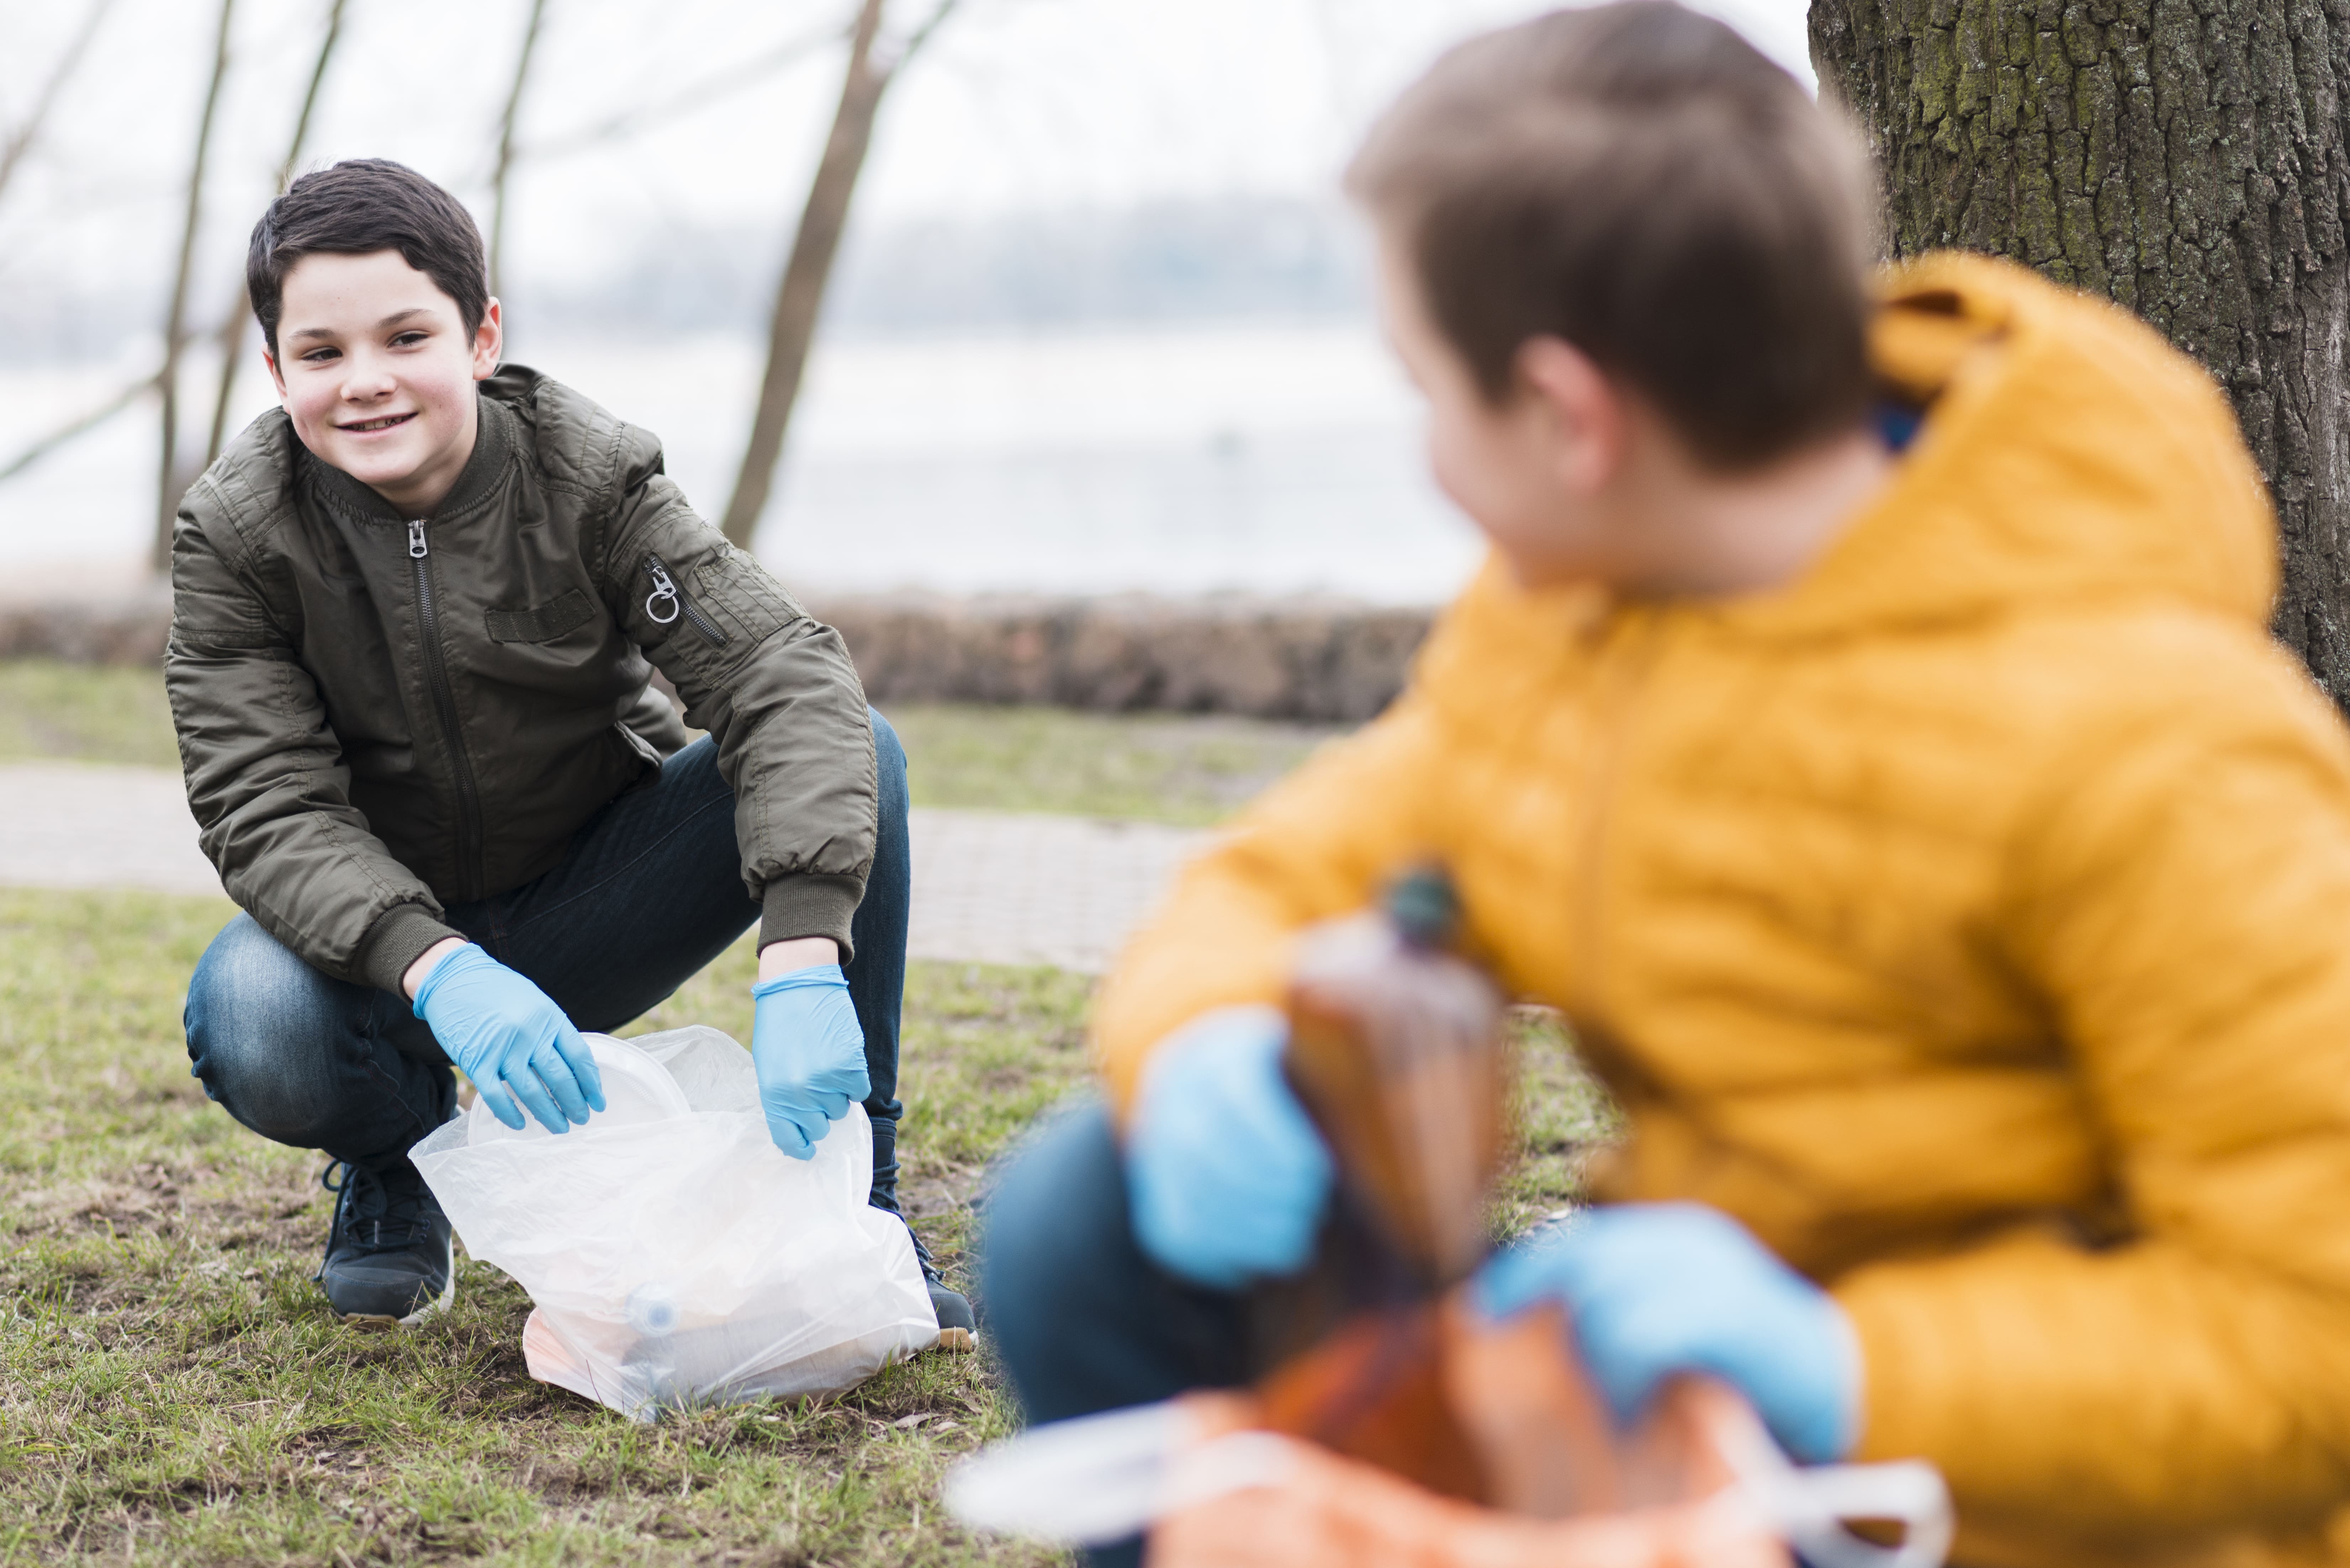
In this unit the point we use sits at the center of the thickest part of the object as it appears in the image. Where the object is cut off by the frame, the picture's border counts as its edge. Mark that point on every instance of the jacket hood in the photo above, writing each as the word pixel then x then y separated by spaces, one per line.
pixel 2068 454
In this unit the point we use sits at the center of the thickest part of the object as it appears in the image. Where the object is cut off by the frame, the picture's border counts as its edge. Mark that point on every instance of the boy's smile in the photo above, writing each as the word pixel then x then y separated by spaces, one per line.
pixel 377 370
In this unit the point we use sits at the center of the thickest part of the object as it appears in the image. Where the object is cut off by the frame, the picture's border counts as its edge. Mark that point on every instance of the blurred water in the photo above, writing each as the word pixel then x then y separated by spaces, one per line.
pixel 1260 457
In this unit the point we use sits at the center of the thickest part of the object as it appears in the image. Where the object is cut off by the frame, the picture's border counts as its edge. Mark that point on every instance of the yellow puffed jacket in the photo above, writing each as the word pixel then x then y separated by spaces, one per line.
pixel 1971 919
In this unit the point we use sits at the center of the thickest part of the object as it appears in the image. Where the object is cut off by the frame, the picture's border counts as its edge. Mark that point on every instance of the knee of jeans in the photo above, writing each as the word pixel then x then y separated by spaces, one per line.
pixel 257 1022
pixel 1057 1216
pixel 888 758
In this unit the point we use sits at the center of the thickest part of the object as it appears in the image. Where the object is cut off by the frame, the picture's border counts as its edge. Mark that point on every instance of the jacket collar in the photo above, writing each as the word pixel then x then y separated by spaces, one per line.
pixel 493 441
pixel 2067 455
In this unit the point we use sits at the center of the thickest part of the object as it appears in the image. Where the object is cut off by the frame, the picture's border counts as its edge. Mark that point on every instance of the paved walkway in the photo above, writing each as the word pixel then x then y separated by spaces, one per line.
pixel 989 886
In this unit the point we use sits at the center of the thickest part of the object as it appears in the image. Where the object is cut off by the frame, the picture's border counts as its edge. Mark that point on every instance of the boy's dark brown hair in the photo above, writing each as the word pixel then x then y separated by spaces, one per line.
pixel 356 207
pixel 1639 181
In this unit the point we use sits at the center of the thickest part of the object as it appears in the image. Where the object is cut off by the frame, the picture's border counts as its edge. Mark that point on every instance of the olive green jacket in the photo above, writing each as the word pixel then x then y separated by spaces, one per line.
pixel 380 716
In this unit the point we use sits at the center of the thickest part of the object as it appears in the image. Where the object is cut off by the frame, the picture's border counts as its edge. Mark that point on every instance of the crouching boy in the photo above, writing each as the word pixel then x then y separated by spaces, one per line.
pixel 1867 731
pixel 413 612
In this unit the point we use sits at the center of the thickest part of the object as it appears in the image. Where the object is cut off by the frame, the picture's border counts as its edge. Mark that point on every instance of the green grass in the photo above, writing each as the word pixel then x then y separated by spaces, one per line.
pixel 172 1389
pixel 1150 767
pixel 171 1383
pixel 84 712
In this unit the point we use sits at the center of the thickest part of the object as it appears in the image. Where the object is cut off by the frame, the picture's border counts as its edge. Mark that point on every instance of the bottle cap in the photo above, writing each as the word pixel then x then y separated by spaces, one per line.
pixel 1424 907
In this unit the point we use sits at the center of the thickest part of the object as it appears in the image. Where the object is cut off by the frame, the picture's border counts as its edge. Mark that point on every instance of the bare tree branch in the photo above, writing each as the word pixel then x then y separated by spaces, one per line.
pixel 799 294
pixel 506 143
pixel 691 100
pixel 175 322
pixel 921 35
pixel 231 329
pixel 20 140
pixel 76 426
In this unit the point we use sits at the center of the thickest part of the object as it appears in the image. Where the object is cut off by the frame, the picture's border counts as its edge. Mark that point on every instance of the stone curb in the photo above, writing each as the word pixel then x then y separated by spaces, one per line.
pixel 1317 662
pixel 1325 661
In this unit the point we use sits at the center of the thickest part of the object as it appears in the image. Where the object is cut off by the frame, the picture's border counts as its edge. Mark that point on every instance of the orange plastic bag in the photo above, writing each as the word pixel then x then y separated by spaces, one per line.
pixel 1524 1430
pixel 1326 1512
pixel 1236 1480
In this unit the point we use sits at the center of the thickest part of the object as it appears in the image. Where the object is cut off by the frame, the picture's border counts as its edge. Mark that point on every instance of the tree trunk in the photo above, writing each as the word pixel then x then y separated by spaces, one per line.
pixel 2184 159
pixel 799 295
pixel 232 324
pixel 506 145
pixel 170 482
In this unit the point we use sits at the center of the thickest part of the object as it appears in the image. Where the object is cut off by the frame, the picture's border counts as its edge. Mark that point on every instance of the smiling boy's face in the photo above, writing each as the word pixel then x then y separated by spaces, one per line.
pixel 377 370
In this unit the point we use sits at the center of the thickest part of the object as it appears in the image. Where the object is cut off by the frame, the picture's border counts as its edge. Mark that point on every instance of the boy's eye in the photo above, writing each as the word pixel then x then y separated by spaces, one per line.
pixel 407 340
pixel 320 355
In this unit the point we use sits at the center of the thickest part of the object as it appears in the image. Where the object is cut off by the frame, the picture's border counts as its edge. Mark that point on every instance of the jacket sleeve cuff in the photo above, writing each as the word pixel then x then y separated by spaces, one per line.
pixel 809 904
pixel 397 941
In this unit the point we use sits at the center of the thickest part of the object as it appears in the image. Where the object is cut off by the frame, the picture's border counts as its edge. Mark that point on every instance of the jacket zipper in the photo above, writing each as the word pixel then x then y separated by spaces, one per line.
pixel 444 703
pixel 667 592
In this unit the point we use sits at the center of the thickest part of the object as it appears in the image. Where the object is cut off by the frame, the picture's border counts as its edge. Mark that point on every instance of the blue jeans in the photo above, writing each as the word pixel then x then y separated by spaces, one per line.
pixel 651 892
pixel 1083 1321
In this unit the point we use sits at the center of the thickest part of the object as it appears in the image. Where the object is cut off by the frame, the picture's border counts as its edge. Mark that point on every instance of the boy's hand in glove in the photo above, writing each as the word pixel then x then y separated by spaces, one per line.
pixel 510 1039
pixel 1653 1289
pixel 810 1053
pixel 1227 1178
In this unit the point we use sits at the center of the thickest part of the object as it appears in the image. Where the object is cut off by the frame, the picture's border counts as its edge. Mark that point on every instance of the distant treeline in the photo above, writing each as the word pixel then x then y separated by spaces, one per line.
pixel 1170 261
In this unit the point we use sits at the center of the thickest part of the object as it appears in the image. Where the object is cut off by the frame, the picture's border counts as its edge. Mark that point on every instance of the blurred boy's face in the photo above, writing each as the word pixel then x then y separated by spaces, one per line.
pixel 377 370
pixel 1536 474
pixel 1577 479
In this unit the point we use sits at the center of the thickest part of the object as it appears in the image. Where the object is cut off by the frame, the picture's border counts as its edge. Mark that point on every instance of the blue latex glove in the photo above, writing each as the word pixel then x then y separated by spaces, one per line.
pixel 810 1052
pixel 1653 1289
pixel 511 1040
pixel 1227 1177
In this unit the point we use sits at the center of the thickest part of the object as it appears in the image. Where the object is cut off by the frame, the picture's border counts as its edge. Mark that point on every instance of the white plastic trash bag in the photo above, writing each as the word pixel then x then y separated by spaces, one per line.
pixel 677 1257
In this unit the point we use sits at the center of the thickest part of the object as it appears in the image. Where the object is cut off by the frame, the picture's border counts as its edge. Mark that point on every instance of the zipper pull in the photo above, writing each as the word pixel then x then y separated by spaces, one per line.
pixel 417 549
pixel 664 590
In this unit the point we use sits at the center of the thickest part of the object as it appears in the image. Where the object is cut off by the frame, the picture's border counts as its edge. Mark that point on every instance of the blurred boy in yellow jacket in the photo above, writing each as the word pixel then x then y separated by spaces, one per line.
pixel 1866 730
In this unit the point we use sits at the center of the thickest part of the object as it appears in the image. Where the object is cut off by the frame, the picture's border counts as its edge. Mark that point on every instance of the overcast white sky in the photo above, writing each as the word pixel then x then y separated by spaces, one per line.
pixel 1018 104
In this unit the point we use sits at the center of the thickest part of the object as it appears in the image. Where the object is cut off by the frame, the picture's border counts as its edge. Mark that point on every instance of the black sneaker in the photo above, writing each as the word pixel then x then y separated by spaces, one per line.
pixel 388 1257
pixel 956 1325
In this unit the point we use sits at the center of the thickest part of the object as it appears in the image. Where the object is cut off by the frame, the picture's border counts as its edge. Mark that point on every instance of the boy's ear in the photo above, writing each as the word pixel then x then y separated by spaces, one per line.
pixel 275 375
pixel 489 342
pixel 1583 409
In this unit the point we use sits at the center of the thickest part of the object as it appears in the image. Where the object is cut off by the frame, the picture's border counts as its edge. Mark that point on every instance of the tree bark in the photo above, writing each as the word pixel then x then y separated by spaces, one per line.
pixel 232 324
pixel 2183 157
pixel 169 482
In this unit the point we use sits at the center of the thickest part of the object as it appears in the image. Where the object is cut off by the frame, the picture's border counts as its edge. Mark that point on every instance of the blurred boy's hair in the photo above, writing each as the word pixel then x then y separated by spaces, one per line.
pixel 1639 181
pixel 359 206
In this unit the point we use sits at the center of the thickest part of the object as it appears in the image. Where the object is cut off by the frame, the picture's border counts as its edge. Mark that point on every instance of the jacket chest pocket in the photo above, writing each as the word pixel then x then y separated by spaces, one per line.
pixel 567 612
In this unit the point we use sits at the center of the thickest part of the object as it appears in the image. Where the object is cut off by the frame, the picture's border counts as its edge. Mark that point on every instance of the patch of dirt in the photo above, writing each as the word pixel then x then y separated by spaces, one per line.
pixel 557 1482
pixel 760 1557
pixel 926 1192
pixel 220 1211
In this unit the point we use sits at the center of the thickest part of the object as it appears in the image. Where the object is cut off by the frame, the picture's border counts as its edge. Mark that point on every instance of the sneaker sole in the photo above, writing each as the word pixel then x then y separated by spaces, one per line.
pixel 956 1341
pixel 376 1321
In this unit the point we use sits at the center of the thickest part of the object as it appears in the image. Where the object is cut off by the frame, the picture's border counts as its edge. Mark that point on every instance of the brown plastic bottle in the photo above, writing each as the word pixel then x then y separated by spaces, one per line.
pixel 1395 1051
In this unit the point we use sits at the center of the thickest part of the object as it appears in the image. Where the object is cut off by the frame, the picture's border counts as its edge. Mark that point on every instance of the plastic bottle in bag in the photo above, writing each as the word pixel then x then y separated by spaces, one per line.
pixel 675 1256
